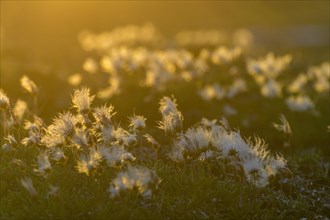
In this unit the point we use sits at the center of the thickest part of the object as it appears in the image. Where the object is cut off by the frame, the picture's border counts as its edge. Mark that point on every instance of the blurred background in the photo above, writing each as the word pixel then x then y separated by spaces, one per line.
pixel 51 27
pixel 40 38
pixel 46 31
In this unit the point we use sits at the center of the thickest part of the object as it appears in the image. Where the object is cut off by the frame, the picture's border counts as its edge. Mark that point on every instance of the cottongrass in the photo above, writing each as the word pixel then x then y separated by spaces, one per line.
pixel 271 89
pixel 82 100
pixel 171 123
pixel 137 122
pixel 88 162
pixel 284 126
pixel 28 85
pixel 268 66
pixel 172 118
pixel 104 114
pixel 223 55
pixel 211 141
pixel 4 100
pixel 20 109
pixel 139 178
pixel 116 155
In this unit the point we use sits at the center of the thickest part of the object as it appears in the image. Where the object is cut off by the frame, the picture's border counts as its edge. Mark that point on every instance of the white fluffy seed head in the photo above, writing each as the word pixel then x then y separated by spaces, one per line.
pixel 104 114
pixel 142 179
pixel 137 122
pixel 28 85
pixel 4 100
pixel 171 123
pixel 167 106
pixel 82 100
pixel 299 103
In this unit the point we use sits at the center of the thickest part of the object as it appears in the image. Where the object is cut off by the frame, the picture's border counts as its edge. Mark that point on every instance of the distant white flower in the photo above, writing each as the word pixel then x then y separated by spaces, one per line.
pixel 29 85
pixel 214 91
pixel 271 89
pixel 20 109
pixel 82 100
pixel 75 79
pixel 238 86
pixel 28 185
pixel 108 64
pixel 298 84
pixel 90 66
pixel 268 66
pixel 322 86
pixel 223 55
pixel 204 54
pixel 320 75
pixel 299 103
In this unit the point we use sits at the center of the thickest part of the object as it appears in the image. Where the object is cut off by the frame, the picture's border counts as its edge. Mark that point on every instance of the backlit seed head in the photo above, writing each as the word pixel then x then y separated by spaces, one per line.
pixel 4 100
pixel 82 100
pixel 28 85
